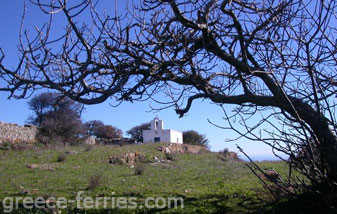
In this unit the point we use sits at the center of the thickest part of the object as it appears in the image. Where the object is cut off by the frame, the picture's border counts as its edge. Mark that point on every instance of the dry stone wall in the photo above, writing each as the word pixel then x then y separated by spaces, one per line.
pixel 13 133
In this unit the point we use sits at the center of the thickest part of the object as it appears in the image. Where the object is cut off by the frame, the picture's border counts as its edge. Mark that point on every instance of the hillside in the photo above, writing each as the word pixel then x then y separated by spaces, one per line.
pixel 206 183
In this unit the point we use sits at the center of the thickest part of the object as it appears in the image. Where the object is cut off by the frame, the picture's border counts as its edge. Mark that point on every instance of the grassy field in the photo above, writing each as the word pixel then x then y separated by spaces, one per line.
pixel 206 183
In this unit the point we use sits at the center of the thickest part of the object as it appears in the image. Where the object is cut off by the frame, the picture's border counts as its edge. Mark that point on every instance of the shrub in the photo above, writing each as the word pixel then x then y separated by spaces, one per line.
pixel 226 155
pixel 116 160
pixel 170 157
pixel 224 151
pixel 17 146
pixel 88 148
pixel 20 146
pixel 139 169
pixel 5 146
pixel 94 181
pixel 143 159
pixel 194 138
pixel 62 157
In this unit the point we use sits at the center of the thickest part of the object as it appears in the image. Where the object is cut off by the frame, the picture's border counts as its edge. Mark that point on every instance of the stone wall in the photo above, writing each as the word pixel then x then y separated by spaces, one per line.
pixel 176 148
pixel 14 133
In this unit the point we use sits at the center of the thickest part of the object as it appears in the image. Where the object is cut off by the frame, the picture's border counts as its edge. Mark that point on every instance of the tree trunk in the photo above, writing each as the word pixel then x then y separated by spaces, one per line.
pixel 327 139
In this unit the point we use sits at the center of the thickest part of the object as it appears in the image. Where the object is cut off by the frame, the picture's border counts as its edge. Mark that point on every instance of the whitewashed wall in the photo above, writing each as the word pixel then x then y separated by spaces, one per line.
pixel 158 131
pixel 176 136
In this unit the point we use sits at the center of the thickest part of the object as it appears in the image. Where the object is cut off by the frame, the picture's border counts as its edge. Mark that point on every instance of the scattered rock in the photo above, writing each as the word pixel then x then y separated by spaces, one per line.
pixel 90 140
pixel 128 158
pixel 26 192
pixel 40 166
pixel 32 166
pixel 270 175
pixel 71 152
pixel 228 156
pixel 175 148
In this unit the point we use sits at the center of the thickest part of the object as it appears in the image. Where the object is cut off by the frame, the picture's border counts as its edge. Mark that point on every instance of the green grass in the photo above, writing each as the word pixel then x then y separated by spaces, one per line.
pixel 207 184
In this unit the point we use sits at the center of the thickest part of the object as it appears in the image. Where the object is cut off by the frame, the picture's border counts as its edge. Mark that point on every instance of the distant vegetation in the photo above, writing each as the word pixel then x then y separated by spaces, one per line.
pixel 99 129
pixel 137 131
pixel 194 138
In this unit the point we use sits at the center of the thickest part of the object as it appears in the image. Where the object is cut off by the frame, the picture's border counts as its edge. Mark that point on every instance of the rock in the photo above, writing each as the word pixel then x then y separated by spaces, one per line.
pixel 175 148
pixel 271 175
pixel 228 156
pixel 32 166
pixel 41 166
pixel 193 149
pixel 26 192
pixel 71 152
pixel 90 140
pixel 128 158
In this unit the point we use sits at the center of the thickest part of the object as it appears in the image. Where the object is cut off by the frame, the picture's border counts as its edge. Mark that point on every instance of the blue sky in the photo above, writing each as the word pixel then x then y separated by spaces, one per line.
pixel 126 115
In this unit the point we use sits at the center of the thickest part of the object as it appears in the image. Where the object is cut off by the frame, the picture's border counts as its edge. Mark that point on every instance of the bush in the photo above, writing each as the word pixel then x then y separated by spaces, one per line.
pixel 5 146
pixel 143 159
pixel 88 148
pixel 94 181
pixel 62 157
pixel 139 169
pixel 226 155
pixel 116 160
pixel 194 138
pixel 20 146
pixel 224 151
pixel 170 157
pixel 17 146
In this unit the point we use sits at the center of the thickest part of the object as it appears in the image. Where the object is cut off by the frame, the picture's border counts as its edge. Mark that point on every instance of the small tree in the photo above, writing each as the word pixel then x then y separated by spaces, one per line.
pixel 40 105
pixel 137 131
pixel 92 127
pixel 100 130
pixel 62 126
pixel 194 138
pixel 57 116
pixel 109 132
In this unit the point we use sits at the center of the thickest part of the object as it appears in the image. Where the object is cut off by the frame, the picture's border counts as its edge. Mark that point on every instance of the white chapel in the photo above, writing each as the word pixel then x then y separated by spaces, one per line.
pixel 159 134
